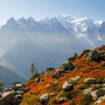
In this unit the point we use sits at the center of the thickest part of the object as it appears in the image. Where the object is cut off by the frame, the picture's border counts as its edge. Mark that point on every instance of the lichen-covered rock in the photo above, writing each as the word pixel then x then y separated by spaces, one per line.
pixel 90 81
pixel 67 86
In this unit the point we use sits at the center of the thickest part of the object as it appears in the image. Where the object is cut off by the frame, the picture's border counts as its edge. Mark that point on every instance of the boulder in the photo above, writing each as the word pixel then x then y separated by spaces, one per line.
pixel 19 97
pixel 75 79
pixel 67 86
pixel 55 82
pixel 62 100
pixel 97 93
pixel 99 81
pixel 58 73
pixel 44 99
pixel 87 91
pixel 100 99
pixel 90 81
pixel 100 92
pixel 69 66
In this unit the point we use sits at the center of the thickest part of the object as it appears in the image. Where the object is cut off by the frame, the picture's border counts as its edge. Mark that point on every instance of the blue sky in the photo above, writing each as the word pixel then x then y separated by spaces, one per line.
pixel 39 9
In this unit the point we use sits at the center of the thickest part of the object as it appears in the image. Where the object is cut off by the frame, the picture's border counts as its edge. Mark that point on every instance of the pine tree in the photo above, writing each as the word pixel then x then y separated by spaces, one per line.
pixel 33 71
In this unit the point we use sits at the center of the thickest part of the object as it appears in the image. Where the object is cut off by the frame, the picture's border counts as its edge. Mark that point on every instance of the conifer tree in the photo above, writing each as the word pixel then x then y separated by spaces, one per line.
pixel 33 71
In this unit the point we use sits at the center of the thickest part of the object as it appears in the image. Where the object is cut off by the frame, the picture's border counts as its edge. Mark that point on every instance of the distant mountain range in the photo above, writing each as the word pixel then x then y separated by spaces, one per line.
pixel 48 42
pixel 7 77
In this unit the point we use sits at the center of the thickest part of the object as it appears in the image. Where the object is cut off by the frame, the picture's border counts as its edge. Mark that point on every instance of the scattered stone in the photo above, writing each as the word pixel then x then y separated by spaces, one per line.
pixel 44 99
pixel 100 99
pixel 99 81
pixel 67 86
pixel 55 82
pixel 98 93
pixel 87 91
pixel 90 81
pixel 47 86
pixel 67 67
pixel 75 79
pixel 62 100
pixel 52 94
pixel 19 97
pixel 37 79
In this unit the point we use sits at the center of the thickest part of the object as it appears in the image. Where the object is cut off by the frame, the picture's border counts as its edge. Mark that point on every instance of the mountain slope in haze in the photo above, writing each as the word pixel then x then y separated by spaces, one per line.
pixel 46 42
pixel 78 81
pixel 8 77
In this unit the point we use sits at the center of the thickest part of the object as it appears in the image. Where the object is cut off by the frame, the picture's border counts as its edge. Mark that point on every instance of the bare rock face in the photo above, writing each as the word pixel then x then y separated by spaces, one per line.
pixel 67 86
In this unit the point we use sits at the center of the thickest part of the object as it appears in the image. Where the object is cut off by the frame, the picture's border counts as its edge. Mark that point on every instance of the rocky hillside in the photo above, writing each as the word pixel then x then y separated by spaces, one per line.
pixel 79 81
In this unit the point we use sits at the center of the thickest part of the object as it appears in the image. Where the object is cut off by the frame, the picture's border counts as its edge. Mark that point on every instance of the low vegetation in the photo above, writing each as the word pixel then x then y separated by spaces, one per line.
pixel 83 76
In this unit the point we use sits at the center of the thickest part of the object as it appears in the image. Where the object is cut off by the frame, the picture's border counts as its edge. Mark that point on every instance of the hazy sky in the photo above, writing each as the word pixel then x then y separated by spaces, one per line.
pixel 39 9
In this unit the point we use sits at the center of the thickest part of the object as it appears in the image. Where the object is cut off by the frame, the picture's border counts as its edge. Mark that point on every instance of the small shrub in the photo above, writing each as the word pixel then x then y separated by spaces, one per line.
pixel 73 103
pixel 83 86
pixel 87 99
pixel 96 87
pixel 87 71
pixel 71 95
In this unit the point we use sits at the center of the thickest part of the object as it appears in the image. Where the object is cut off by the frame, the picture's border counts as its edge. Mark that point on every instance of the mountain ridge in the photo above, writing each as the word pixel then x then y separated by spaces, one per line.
pixel 53 36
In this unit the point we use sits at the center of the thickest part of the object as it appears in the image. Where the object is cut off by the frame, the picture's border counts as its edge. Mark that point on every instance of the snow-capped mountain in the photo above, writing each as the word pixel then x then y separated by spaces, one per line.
pixel 47 42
